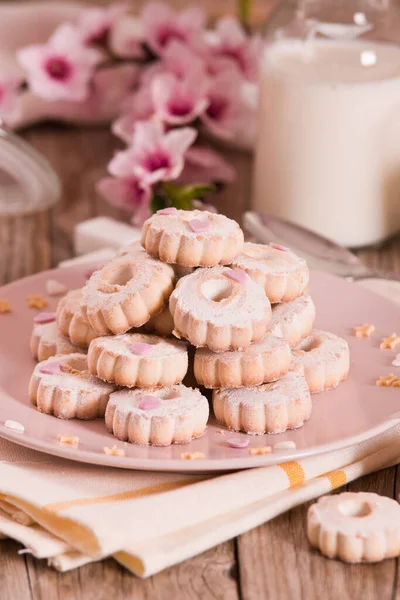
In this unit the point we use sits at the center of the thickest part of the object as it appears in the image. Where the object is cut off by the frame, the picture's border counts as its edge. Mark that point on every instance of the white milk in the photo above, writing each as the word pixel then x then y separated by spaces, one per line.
pixel 328 154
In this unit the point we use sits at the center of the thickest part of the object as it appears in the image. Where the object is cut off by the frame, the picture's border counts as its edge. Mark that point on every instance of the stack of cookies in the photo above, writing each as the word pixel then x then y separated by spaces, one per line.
pixel 120 346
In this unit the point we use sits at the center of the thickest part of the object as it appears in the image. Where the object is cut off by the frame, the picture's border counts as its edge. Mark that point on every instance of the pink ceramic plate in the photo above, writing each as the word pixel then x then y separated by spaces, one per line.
pixel 357 410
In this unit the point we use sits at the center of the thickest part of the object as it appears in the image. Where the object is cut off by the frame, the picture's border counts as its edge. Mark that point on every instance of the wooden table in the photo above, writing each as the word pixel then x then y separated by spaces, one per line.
pixel 273 561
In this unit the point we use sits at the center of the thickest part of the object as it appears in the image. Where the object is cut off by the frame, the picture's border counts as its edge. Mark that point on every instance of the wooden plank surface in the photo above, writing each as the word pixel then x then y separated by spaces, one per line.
pixel 273 561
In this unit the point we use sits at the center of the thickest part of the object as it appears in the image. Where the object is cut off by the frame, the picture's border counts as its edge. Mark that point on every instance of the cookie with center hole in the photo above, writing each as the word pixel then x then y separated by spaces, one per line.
pixel 158 417
pixel 71 322
pixel 47 341
pixel 283 275
pixel 135 359
pixel 62 386
pixel 325 358
pixel 268 408
pixel 219 308
pixel 293 320
pixel 193 238
pixel 355 527
pixel 261 362
pixel 126 292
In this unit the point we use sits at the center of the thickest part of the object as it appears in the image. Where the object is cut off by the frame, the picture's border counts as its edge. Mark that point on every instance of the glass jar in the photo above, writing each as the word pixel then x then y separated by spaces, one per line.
pixel 28 183
pixel 328 150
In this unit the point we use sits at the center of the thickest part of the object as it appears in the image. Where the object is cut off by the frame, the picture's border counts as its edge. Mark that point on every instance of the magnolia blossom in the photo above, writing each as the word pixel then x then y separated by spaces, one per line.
pixel 153 155
pixel 234 45
pixel 138 107
pixel 225 112
pixel 129 194
pixel 126 38
pixel 61 69
pixel 179 102
pixel 96 23
pixel 9 99
pixel 231 46
pixel 182 61
pixel 161 25
pixel 205 166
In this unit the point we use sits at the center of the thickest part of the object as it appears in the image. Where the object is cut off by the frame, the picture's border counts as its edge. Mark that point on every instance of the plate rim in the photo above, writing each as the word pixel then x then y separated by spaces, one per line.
pixel 187 466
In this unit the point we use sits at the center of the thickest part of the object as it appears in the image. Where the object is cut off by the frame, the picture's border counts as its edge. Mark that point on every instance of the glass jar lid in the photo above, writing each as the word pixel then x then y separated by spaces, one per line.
pixel 28 183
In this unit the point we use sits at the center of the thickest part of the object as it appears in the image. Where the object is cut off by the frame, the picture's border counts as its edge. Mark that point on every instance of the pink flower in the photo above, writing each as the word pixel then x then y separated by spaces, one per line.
pixel 96 23
pixel 129 194
pixel 234 45
pixel 182 61
pixel 226 111
pixel 178 102
pixel 154 155
pixel 203 165
pixel 161 25
pixel 9 99
pixel 126 38
pixel 61 69
pixel 139 107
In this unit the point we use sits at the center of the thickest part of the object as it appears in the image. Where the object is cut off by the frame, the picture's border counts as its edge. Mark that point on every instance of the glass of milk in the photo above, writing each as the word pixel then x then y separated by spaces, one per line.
pixel 328 149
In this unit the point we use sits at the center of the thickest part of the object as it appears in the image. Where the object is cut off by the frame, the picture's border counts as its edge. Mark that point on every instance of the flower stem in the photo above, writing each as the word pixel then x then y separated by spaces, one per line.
pixel 244 7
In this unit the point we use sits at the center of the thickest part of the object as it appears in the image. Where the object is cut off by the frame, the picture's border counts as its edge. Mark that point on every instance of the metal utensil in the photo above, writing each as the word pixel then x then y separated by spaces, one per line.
pixel 320 252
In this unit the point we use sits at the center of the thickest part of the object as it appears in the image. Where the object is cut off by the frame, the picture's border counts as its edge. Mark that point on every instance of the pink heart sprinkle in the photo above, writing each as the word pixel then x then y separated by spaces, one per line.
pixel 52 368
pixel 45 317
pixel 198 226
pixel 149 402
pixel 167 211
pixel 278 247
pixel 237 275
pixel 140 348
pixel 237 443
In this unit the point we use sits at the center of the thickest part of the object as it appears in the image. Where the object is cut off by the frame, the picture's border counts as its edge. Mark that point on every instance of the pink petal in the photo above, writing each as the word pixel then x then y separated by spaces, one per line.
pixel 231 32
pixel 279 247
pixel 45 317
pixel 181 60
pixel 179 140
pixel 140 348
pixel 126 193
pixel 167 211
pixel 237 443
pixel 148 402
pixel 51 368
pixel 198 226
pixel 237 275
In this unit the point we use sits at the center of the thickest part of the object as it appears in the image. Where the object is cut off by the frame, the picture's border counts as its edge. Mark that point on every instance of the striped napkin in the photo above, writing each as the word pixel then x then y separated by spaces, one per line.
pixel 72 514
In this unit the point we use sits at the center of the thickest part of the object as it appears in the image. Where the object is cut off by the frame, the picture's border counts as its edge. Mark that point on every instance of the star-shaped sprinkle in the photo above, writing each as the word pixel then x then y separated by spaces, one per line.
pixel 192 455
pixel 260 451
pixel 71 440
pixel 5 306
pixel 36 301
pixel 365 330
pixel 388 381
pixel 114 451
pixel 390 342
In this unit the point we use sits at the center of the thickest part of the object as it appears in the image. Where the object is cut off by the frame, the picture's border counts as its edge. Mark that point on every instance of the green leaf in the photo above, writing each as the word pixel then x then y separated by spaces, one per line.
pixel 181 196
pixel 157 203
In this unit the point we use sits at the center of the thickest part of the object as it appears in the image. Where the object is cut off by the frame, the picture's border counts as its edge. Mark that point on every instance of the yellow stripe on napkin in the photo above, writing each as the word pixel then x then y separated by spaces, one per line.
pixel 336 478
pixel 57 507
pixel 294 472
